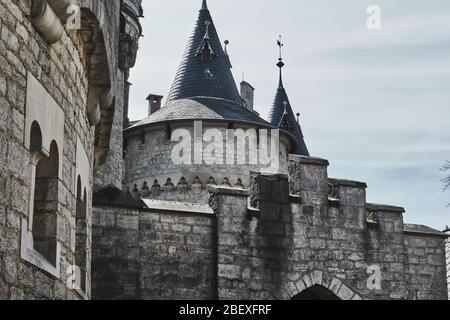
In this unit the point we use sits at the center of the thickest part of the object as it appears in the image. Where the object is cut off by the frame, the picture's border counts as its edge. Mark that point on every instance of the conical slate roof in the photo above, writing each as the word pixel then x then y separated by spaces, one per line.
pixel 282 116
pixel 204 87
pixel 208 75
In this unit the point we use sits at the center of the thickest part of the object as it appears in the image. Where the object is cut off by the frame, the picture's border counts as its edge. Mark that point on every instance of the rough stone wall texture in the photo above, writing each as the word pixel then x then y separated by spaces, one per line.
pixel 59 69
pixel 142 254
pixel 111 172
pixel 426 267
pixel 447 250
pixel 273 241
pixel 288 241
pixel 149 157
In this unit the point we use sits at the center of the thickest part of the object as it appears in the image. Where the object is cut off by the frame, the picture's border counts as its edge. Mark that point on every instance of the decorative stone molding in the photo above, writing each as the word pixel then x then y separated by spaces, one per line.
pixel 333 193
pixel 30 255
pixel 43 109
pixel 101 79
pixel 255 190
pixel 309 160
pixel 83 169
pixel 318 277
pixel 46 21
pixel 214 202
pixel 128 47
pixel 371 217
pixel 182 186
pixel 36 156
pixel 60 8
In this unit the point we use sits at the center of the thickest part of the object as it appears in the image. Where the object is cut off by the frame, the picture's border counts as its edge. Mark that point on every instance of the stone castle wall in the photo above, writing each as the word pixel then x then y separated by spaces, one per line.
pixel 447 249
pixel 48 85
pixel 148 254
pixel 149 158
pixel 111 172
pixel 276 240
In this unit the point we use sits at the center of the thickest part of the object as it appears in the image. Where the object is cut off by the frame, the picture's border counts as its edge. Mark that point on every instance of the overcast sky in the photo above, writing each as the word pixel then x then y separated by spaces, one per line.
pixel 374 103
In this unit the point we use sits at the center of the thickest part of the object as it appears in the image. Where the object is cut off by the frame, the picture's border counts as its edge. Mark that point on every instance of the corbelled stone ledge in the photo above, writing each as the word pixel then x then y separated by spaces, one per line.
pixel 179 207
pixel 309 160
pixel 229 191
pixel 348 183
pixel 421 230
pixel 385 208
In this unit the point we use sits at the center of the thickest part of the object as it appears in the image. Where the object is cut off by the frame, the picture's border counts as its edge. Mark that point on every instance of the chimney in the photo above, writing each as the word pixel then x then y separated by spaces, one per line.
pixel 247 95
pixel 154 103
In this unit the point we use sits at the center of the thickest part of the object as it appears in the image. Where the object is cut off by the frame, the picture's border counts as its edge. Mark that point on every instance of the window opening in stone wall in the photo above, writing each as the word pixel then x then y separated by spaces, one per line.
pixel 81 235
pixel 45 202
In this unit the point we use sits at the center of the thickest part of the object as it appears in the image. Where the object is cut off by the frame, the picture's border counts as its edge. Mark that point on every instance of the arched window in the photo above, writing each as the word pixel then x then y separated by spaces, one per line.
pixel 35 138
pixel 316 292
pixel 43 217
pixel 81 235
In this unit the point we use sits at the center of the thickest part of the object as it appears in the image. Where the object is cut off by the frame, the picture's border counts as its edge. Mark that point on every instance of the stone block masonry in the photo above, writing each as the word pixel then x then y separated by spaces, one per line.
pixel 48 138
pixel 153 254
pixel 302 236
pixel 447 250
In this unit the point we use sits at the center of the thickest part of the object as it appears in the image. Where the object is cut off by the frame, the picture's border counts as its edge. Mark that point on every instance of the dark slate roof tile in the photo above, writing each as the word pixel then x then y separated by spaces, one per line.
pixel 203 108
pixel 204 88
pixel 209 76
pixel 277 114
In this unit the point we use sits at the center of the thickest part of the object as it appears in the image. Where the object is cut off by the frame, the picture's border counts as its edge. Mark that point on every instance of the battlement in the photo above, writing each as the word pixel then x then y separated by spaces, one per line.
pixel 302 229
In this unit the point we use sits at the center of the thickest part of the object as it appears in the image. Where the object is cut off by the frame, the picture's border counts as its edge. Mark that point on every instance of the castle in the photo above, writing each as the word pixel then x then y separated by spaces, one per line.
pixel 92 205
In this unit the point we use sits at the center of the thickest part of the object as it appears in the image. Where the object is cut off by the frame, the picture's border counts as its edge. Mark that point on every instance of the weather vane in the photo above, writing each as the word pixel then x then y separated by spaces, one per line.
pixel 280 64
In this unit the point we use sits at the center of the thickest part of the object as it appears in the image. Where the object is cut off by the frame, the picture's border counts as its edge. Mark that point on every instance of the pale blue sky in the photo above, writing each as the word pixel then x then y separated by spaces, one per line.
pixel 374 103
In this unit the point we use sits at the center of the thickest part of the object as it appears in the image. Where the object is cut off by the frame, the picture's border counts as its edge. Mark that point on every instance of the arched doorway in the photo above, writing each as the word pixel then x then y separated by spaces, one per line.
pixel 316 292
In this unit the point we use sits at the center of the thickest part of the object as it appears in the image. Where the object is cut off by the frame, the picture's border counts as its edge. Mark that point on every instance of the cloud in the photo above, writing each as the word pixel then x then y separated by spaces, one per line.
pixel 409 30
pixel 375 103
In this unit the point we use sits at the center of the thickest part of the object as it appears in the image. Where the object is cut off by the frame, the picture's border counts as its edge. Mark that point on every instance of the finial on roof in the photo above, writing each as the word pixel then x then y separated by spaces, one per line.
pixel 226 42
pixel 204 5
pixel 206 44
pixel 298 117
pixel 285 104
pixel 280 63
pixel 207 24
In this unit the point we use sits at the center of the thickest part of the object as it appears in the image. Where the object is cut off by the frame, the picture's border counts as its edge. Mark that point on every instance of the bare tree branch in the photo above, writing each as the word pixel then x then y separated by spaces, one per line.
pixel 446 180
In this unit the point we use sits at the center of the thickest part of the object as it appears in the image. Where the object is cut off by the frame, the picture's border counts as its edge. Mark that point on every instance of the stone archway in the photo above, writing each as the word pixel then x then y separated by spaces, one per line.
pixel 318 285
pixel 316 292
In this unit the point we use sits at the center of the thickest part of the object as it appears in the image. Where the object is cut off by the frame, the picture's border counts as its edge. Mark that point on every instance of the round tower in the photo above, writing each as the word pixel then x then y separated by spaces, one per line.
pixel 205 134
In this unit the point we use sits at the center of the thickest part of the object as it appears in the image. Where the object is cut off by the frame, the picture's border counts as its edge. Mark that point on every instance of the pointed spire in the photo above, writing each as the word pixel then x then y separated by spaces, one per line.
pixel 204 5
pixel 205 69
pixel 280 81
pixel 282 116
